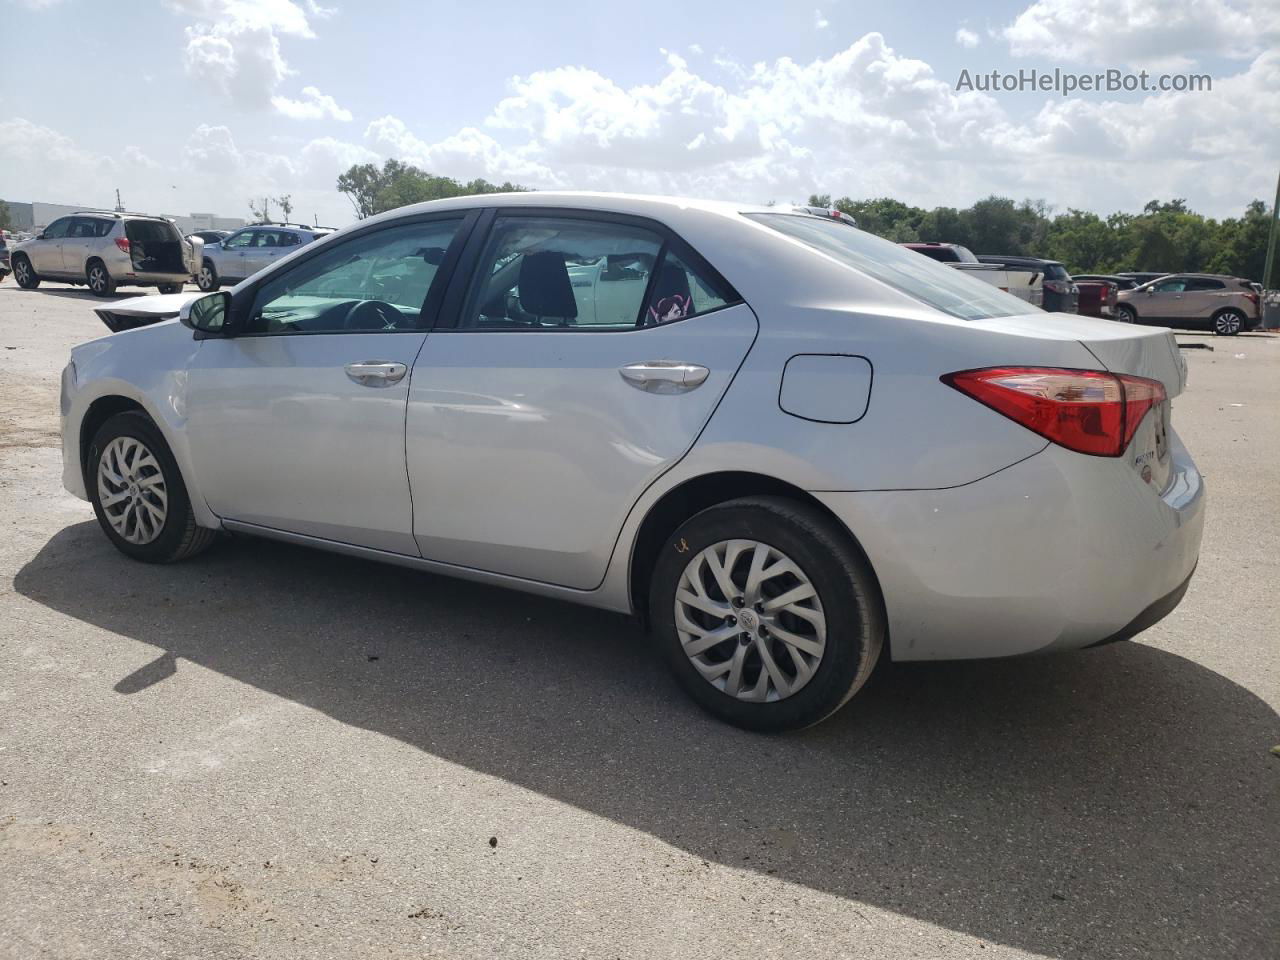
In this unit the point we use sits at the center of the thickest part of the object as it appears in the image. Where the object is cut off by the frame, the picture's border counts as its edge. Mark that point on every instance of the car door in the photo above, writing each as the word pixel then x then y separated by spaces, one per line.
pixel 232 262
pixel 77 245
pixel 296 422
pixel 534 423
pixel 1164 300
pixel 46 252
pixel 1202 297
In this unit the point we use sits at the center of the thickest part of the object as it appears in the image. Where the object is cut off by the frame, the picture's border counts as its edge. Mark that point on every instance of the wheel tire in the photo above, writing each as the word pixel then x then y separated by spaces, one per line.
pixel 1228 323
pixel 101 283
pixel 24 273
pixel 1126 314
pixel 207 279
pixel 178 536
pixel 846 590
pixel 170 288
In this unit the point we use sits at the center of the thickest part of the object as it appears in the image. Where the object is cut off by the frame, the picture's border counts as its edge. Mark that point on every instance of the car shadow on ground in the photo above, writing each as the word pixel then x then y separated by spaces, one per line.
pixel 1118 801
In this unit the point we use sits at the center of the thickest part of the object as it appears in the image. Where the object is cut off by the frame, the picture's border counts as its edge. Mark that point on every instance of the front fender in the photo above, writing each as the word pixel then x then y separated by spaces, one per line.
pixel 147 366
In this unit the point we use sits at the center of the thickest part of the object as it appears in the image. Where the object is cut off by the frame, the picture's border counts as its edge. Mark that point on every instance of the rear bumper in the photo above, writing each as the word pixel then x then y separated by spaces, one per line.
pixel 1059 551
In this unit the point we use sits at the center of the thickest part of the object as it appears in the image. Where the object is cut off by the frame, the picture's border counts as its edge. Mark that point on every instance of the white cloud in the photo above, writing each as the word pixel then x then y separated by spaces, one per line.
pixel 866 122
pixel 1168 34
pixel 819 21
pixel 967 38
pixel 234 47
pixel 314 105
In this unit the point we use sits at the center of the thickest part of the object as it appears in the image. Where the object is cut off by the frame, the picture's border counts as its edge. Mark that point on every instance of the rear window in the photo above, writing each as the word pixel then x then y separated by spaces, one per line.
pixel 1056 271
pixel 941 287
pixel 144 230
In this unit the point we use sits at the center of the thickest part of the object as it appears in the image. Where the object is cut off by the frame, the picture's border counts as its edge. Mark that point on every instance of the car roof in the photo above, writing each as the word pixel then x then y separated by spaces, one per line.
pixel 643 205
pixel 1015 258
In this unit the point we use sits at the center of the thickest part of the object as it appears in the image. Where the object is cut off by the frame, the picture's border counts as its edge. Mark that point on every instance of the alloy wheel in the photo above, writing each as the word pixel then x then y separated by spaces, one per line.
pixel 206 278
pixel 97 279
pixel 132 490
pixel 21 271
pixel 750 620
pixel 1227 323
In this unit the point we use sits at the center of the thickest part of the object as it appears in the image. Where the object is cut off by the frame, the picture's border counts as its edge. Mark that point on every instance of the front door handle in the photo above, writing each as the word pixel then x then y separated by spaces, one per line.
pixel 376 373
pixel 664 376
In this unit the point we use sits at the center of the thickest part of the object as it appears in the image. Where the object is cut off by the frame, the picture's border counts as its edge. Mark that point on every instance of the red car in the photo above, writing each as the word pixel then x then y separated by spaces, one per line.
pixel 1097 298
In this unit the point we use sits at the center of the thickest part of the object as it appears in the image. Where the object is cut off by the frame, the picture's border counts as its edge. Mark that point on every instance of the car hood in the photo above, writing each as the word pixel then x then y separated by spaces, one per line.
pixel 142 311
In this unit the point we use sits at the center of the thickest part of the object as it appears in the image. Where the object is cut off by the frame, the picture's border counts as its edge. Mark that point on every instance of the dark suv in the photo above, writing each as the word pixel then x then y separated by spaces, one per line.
pixel 1060 293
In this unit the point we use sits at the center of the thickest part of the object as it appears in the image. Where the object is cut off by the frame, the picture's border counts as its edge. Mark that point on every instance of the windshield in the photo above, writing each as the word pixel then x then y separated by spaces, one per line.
pixel 941 287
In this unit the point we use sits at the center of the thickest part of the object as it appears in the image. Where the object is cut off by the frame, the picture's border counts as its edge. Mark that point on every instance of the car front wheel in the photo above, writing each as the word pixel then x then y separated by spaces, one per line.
pixel 769 615
pixel 169 287
pixel 24 274
pixel 138 495
pixel 1126 314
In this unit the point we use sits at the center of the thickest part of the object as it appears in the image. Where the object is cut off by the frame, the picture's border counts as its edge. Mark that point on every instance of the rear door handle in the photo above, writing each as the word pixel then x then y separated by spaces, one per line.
pixel 376 373
pixel 664 376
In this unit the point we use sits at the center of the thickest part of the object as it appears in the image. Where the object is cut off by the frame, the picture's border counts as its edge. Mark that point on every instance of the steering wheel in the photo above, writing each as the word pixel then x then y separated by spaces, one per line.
pixel 373 315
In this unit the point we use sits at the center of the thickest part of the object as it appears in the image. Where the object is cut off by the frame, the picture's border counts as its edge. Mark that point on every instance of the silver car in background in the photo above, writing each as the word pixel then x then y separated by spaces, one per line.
pixel 105 250
pixel 789 445
pixel 250 249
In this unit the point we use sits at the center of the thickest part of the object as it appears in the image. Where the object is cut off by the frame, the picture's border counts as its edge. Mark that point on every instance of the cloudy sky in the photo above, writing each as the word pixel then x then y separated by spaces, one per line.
pixel 196 105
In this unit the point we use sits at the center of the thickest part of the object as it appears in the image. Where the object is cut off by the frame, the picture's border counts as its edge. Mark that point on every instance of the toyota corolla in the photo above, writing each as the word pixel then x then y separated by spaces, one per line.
pixel 790 446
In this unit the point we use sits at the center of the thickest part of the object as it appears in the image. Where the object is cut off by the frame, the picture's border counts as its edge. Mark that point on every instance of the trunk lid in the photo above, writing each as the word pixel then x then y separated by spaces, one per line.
pixel 1149 352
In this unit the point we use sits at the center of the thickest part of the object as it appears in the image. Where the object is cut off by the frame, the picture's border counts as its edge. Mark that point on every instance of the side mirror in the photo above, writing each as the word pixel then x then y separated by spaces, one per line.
pixel 1150 291
pixel 207 315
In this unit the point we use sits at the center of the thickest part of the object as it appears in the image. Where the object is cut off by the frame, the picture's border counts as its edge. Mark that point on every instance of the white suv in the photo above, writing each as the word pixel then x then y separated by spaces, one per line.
pixel 103 250
pixel 251 249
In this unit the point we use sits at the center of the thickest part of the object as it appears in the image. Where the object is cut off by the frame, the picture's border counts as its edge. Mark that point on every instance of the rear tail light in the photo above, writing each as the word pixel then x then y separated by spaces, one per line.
pixel 1058 286
pixel 1252 298
pixel 1088 411
pixel 123 244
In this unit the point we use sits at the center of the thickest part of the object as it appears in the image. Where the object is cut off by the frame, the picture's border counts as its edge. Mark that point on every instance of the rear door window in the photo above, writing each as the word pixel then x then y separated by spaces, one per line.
pixel 679 291
pixel 562 273
pixel 1202 283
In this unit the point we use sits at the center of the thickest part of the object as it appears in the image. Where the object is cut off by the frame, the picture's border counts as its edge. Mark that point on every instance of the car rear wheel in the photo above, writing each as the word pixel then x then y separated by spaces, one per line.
pixel 169 287
pixel 1126 314
pixel 24 274
pixel 207 279
pixel 1227 323
pixel 101 283
pixel 138 495
pixel 769 616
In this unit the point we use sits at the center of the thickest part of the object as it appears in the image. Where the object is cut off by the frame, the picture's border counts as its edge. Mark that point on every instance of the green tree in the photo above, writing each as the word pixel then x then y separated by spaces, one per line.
pixel 372 190
pixel 261 214
pixel 6 220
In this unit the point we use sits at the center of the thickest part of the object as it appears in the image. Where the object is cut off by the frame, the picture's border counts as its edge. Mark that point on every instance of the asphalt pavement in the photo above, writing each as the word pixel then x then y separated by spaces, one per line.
pixel 276 752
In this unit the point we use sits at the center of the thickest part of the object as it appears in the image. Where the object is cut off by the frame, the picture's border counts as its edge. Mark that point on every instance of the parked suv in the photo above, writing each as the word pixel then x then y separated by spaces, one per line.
pixel 251 249
pixel 942 252
pixel 1193 301
pixel 106 249
pixel 1060 293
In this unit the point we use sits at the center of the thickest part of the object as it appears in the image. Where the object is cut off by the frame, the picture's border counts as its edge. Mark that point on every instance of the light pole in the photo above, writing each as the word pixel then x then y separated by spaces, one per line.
pixel 1271 306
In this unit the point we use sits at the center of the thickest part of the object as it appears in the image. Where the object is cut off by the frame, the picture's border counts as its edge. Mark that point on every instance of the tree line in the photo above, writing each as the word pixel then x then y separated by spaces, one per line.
pixel 1165 236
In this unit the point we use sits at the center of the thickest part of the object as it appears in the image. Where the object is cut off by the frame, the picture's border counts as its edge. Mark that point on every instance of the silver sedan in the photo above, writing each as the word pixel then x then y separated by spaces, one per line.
pixel 790 446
